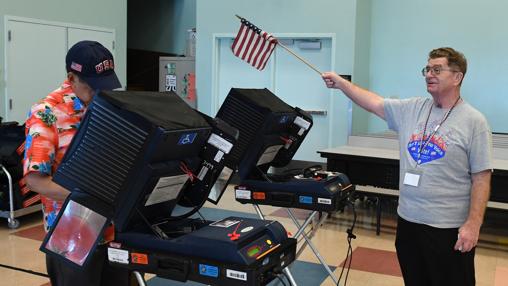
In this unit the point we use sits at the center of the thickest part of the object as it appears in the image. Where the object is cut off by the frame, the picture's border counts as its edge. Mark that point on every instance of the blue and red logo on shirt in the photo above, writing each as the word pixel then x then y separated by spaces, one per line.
pixel 423 152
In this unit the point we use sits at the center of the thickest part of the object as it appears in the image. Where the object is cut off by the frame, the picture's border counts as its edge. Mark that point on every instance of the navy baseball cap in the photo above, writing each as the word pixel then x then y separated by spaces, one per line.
pixel 94 64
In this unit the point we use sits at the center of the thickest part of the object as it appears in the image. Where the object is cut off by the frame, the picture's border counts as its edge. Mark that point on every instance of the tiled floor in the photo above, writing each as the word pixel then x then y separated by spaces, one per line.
pixel 374 260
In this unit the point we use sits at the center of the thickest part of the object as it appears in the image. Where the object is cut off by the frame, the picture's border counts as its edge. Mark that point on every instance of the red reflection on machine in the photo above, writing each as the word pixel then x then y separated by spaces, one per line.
pixel 76 232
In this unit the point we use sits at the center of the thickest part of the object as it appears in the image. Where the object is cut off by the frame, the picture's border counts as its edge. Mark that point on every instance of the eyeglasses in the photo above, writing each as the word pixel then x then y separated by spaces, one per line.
pixel 436 70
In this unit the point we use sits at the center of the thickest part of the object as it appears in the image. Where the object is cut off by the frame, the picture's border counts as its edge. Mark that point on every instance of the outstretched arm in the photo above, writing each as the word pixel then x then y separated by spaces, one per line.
pixel 368 100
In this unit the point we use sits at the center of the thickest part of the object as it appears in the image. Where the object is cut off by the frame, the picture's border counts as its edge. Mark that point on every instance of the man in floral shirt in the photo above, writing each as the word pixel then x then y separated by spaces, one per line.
pixel 50 127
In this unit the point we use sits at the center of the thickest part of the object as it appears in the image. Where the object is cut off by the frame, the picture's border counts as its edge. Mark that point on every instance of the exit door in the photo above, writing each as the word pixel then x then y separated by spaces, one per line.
pixel 289 79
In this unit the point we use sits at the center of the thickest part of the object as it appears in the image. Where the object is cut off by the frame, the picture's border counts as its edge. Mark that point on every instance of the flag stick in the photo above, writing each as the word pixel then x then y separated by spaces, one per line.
pixel 291 52
pixel 300 58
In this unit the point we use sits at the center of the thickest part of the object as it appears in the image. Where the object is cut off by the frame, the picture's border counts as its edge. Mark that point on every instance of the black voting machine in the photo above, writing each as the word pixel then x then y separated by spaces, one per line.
pixel 272 132
pixel 139 155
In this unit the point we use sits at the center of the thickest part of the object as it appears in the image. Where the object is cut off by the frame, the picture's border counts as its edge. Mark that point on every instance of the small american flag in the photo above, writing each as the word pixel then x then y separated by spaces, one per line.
pixel 253 45
pixel 77 67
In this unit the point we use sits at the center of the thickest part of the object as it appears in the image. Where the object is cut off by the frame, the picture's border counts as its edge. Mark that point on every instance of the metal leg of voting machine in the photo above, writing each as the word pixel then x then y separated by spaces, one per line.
pixel 139 278
pixel 311 233
pixel 286 269
pixel 301 231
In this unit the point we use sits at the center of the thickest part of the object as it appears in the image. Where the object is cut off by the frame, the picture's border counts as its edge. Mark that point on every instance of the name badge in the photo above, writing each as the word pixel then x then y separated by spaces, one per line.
pixel 412 178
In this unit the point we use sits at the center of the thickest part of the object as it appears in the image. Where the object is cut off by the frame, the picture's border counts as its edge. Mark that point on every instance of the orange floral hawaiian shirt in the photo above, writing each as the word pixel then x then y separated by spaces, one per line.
pixel 50 126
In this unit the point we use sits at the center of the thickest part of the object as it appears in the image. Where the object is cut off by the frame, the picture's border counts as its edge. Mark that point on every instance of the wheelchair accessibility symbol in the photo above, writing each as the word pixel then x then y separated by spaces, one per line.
pixel 187 138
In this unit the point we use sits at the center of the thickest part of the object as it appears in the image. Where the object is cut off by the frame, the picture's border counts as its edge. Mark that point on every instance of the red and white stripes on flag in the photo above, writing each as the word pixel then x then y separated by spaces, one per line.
pixel 253 45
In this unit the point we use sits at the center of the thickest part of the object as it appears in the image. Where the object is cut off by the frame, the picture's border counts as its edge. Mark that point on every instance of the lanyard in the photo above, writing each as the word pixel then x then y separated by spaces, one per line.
pixel 422 145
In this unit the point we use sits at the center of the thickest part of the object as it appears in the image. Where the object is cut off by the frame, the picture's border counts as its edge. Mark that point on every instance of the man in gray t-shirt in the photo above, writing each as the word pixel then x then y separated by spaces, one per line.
pixel 445 171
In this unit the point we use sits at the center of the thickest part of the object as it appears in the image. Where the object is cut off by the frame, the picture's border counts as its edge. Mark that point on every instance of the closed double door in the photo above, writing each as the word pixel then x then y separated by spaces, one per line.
pixel 35 60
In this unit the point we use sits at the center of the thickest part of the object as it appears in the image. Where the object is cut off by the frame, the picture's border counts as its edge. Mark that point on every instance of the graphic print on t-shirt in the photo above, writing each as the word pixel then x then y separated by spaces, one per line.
pixel 433 150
